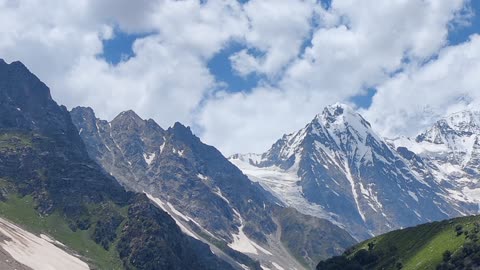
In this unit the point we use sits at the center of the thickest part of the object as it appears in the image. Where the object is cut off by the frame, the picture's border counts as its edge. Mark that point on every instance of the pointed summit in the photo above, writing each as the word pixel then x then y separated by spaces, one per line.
pixel 85 112
pixel 129 114
pixel 340 114
pixel 18 85
pixel 338 166
pixel 128 120
pixel 337 109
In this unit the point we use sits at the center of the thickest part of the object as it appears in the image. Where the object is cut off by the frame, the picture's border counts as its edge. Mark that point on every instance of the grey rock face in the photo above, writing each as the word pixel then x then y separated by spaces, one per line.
pixel 176 166
pixel 195 182
pixel 349 173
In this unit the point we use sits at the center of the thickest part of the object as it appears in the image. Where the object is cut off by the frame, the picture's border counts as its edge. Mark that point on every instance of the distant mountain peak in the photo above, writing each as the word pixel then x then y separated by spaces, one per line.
pixel 85 112
pixel 338 166
pixel 128 119
pixel 461 124
pixel 128 114
pixel 336 109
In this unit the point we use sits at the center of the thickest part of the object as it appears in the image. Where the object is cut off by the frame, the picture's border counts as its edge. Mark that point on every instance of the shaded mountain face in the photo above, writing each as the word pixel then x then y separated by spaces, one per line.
pixel 338 167
pixel 207 195
pixel 42 157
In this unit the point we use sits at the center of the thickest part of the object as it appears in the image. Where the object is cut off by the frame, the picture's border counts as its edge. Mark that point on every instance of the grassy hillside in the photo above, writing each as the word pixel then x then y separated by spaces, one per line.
pixel 48 190
pixel 21 210
pixel 450 244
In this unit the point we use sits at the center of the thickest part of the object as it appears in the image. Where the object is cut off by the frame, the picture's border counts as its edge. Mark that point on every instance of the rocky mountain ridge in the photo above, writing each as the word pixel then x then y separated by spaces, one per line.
pixel 208 196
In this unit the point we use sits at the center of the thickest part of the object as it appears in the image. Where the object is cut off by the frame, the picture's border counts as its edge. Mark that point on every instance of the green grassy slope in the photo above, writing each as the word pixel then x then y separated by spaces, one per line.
pixel 421 247
pixel 21 211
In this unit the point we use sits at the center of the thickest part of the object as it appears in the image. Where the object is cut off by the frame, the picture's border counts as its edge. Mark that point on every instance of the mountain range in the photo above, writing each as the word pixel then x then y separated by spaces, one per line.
pixel 139 196
pixel 50 186
pixel 210 198
pixel 337 167
pixel 129 194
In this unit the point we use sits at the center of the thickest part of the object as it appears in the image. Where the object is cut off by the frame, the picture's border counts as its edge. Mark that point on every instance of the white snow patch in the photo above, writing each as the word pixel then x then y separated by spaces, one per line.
pixel 242 243
pixel 201 176
pixel 349 176
pixel 244 266
pixel 36 252
pixel 220 194
pixel 178 152
pixel 172 212
pixel 178 213
pixel 257 246
pixel 162 146
pixel 277 266
pixel 457 195
pixel 283 185
pixel 108 148
pixel 413 195
pixel 148 157
pixel 472 194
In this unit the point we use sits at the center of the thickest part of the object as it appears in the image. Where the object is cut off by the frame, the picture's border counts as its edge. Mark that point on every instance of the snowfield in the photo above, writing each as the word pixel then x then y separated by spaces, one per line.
pixel 36 252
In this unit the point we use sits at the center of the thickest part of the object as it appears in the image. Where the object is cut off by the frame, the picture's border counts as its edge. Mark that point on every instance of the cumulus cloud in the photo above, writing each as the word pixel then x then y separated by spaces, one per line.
pixel 307 55
pixel 416 97
pixel 356 47
pixel 277 28
pixel 166 79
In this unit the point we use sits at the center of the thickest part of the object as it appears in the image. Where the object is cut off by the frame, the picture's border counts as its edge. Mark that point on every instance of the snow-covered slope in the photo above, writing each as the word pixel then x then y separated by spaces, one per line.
pixel 451 151
pixel 338 167
pixel 36 252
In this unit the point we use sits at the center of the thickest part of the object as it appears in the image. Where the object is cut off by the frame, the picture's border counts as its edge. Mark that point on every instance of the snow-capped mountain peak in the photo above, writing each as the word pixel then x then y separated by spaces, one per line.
pixel 454 137
pixel 350 131
pixel 338 167
pixel 338 129
pixel 339 114
pixel 463 124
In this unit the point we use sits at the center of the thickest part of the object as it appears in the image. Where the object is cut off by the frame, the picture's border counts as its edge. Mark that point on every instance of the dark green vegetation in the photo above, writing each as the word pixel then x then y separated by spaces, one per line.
pixel 22 211
pixel 450 244
pixel 49 184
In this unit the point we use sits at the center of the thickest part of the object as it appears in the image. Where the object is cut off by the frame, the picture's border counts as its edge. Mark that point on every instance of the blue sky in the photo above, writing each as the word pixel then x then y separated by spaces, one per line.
pixel 243 73
pixel 120 47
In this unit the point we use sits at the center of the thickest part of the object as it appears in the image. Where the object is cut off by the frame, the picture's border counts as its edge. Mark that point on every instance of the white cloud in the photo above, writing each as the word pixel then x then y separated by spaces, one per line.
pixel 159 82
pixel 358 46
pixel 47 35
pixel 354 45
pixel 415 98
pixel 168 76
pixel 278 28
